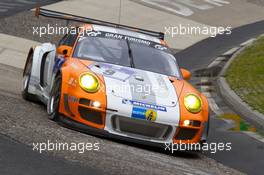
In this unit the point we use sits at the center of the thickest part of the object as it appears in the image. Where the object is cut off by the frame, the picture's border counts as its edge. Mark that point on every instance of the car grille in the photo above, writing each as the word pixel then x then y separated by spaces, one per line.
pixel 91 115
pixel 186 134
pixel 141 128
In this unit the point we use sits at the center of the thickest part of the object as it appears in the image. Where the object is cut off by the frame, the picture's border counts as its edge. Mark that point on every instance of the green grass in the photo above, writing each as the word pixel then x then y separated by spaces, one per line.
pixel 246 75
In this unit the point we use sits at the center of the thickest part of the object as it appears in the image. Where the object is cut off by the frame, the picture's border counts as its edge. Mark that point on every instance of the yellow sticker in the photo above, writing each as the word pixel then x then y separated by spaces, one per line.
pixel 151 115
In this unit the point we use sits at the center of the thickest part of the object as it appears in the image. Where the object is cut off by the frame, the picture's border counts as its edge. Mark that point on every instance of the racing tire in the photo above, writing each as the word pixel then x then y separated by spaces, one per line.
pixel 54 99
pixel 26 79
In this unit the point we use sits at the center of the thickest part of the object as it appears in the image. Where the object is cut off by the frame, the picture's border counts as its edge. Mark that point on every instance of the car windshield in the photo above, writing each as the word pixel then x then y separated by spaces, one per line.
pixel 127 53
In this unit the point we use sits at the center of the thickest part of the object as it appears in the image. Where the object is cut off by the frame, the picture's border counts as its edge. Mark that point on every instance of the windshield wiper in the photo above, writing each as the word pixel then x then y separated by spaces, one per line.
pixel 131 59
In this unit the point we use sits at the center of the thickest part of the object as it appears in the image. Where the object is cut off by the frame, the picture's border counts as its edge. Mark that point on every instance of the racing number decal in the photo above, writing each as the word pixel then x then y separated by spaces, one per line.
pixel 112 71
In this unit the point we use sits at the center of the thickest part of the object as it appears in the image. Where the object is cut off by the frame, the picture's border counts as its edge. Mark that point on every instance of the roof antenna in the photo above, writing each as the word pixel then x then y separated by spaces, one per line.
pixel 120 8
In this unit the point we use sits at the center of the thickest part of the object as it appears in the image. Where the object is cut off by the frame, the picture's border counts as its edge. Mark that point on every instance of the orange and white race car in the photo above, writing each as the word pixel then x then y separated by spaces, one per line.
pixel 117 81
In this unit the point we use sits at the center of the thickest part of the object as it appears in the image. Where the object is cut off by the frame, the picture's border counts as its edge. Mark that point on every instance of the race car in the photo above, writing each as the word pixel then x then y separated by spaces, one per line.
pixel 117 81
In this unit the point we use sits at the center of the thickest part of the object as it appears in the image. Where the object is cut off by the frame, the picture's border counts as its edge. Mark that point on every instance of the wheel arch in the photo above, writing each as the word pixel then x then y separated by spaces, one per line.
pixel 30 52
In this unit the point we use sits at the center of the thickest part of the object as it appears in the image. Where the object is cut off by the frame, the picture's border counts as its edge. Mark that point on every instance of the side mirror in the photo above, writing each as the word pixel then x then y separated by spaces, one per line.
pixel 186 74
pixel 64 50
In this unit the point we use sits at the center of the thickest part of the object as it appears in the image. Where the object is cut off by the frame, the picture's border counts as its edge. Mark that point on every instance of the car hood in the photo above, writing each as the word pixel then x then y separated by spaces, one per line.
pixel 136 85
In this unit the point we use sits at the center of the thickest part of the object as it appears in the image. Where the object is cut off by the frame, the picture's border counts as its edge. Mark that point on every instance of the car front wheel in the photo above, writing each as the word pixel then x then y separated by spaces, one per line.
pixel 54 99
pixel 26 79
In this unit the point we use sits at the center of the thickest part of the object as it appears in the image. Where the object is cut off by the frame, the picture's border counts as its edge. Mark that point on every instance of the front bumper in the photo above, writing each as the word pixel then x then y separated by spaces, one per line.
pixel 105 134
pixel 110 123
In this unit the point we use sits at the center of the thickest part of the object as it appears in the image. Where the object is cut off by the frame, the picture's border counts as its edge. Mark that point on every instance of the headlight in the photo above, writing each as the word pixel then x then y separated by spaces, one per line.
pixel 193 103
pixel 89 82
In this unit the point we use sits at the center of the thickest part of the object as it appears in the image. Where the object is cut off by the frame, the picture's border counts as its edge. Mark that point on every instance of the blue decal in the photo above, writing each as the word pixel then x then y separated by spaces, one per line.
pixel 58 63
pixel 145 105
pixel 139 113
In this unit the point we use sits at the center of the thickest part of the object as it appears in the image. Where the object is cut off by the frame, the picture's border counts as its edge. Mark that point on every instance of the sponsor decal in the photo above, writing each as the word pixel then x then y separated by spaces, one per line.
pixel 144 114
pixel 160 47
pixel 151 115
pixel 145 105
pixel 72 82
pixel 129 38
pixel 118 36
pixel 139 113
pixel 94 33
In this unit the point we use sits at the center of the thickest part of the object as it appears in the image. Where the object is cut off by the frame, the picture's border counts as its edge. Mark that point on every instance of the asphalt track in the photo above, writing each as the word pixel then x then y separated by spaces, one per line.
pixel 16 157
pixel 247 153
pixel 10 7
pixel 207 50
pixel 27 123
